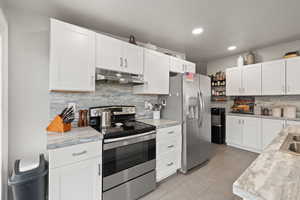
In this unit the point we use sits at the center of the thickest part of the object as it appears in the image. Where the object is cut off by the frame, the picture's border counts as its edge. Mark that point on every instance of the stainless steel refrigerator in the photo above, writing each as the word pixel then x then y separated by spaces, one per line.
pixel 188 102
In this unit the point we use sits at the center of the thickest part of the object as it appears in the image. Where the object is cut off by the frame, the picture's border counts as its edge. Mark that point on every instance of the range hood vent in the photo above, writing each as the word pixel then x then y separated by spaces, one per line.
pixel 120 77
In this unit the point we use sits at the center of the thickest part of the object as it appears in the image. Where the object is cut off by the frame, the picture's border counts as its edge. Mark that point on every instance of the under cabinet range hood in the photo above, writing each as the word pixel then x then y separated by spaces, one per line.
pixel 122 78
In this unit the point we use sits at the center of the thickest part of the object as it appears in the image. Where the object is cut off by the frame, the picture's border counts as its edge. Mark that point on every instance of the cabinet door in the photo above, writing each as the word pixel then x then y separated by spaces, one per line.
pixel 292 76
pixel 233 81
pixel 133 58
pixel 270 129
pixel 234 130
pixel 252 132
pixel 156 74
pixel 273 78
pixel 72 57
pixel 252 80
pixel 78 181
pixel 176 65
pixel 190 67
pixel 109 53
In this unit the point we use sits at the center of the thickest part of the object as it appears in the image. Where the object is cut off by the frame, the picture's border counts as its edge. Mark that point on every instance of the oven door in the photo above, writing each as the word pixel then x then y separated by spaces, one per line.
pixel 127 158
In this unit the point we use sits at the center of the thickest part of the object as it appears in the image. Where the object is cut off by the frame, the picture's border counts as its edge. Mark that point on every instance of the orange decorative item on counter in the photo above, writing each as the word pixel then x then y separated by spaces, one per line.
pixel 57 125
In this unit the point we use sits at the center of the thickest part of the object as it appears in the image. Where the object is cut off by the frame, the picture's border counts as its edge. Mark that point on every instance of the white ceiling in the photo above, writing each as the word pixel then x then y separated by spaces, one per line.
pixel 247 24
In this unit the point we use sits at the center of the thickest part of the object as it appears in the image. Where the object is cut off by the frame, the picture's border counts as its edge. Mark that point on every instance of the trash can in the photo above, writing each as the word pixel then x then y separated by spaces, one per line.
pixel 29 179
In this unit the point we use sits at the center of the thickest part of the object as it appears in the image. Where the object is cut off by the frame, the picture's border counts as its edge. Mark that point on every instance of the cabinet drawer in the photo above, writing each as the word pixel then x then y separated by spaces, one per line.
pixel 166 146
pixel 72 154
pixel 167 161
pixel 167 133
pixel 167 164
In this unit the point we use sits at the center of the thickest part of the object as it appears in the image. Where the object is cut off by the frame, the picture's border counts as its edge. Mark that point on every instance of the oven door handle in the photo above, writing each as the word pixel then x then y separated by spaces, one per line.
pixel 124 141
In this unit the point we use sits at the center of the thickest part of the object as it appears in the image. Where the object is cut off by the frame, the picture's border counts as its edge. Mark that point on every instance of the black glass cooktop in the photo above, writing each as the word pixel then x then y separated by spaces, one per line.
pixel 126 129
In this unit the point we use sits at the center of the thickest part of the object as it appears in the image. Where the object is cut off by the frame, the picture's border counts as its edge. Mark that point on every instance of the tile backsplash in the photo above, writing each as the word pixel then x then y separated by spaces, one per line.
pixel 105 94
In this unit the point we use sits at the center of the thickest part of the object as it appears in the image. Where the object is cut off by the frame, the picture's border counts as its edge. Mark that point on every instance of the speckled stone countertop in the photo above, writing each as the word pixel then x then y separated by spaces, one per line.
pixel 274 175
pixel 160 123
pixel 262 116
pixel 73 137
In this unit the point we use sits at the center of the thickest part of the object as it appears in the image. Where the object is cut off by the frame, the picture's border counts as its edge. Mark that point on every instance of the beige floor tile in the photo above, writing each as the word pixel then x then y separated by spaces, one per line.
pixel 211 181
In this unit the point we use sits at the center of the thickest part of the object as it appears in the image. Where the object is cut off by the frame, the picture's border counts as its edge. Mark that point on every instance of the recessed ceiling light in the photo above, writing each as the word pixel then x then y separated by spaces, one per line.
pixel 231 48
pixel 197 31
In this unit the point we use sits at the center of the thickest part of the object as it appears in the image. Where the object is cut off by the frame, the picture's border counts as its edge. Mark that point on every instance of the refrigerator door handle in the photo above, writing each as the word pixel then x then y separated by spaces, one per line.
pixel 199 109
pixel 202 107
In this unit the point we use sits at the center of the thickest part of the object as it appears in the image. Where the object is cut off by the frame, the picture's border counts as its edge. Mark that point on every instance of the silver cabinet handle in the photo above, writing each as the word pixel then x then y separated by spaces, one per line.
pixel 170 164
pixel 92 80
pixel 99 169
pixel 170 146
pixel 239 121
pixel 171 132
pixel 80 153
pixel 126 63
pixel 121 62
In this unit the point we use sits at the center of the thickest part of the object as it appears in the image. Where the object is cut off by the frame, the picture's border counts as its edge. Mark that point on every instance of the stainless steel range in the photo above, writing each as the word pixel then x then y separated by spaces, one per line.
pixel 129 153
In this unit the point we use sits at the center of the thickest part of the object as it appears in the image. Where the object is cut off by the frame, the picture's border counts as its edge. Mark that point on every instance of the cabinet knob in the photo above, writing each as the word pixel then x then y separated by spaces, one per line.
pixel 121 62
pixel 170 164
pixel 126 63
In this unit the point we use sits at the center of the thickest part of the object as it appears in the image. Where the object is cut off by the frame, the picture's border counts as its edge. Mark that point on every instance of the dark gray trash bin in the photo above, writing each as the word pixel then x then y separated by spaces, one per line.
pixel 29 182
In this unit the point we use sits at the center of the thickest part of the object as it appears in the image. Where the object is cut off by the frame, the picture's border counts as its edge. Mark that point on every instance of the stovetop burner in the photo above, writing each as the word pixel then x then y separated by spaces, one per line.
pixel 123 121
pixel 127 129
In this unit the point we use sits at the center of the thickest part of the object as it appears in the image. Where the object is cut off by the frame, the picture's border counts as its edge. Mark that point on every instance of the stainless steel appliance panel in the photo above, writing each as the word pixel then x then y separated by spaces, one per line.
pixel 133 189
pixel 128 174
pixel 189 98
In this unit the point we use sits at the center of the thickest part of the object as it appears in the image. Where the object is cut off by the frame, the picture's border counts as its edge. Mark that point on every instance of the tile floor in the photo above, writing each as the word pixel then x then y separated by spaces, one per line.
pixel 213 181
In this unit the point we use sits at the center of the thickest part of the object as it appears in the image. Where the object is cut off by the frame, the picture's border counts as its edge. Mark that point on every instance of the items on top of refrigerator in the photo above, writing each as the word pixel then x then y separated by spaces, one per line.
pixel 243 105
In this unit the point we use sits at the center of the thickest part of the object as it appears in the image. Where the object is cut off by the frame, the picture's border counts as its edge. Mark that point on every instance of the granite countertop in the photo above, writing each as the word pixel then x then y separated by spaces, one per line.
pixel 274 175
pixel 160 123
pixel 262 116
pixel 73 137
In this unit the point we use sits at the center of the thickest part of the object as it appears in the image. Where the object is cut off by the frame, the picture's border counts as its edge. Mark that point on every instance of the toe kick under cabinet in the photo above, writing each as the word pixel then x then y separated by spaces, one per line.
pixel 75 172
pixel 168 151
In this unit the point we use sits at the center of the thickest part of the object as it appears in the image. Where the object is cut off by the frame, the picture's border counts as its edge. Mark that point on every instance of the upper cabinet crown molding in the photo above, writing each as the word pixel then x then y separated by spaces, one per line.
pixel 72 57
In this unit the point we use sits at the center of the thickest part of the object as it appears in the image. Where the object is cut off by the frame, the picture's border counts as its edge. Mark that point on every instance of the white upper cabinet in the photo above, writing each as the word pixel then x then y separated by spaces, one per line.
pixel 176 65
pixel 270 129
pixel 292 75
pixel 156 74
pixel 109 53
pixel 234 81
pixel 116 55
pixel 133 58
pixel 251 80
pixel 273 78
pixel 72 58
pixel 181 66
pixel 189 67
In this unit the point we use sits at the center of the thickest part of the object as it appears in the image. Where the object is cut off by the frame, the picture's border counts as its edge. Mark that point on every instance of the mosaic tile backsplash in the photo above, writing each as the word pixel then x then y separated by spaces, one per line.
pixel 105 94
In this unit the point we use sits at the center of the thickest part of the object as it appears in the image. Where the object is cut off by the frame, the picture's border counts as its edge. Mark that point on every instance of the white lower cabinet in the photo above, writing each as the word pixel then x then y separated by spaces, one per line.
pixel 270 130
pixel 252 133
pixel 234 130
pixel 168 151
pixel 75 172
pixel 244 132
